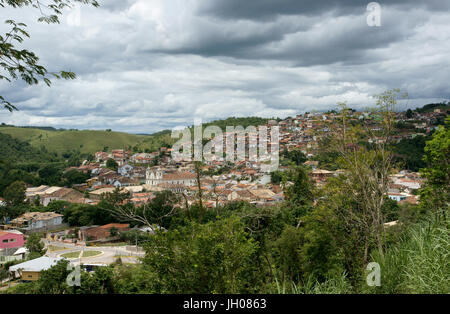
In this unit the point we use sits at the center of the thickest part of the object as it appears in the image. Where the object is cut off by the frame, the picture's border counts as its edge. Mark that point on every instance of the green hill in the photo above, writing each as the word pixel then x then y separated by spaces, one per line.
pixel 431 107
pixel 88 141
pixel 68 140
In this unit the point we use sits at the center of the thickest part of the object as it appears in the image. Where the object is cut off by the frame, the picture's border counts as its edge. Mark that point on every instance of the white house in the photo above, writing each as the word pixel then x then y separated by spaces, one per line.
pixel 397 197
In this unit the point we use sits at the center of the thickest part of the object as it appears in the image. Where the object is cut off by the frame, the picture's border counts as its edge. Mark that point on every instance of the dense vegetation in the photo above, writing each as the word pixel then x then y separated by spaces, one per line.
pixel 21 161
pixel 21 151
pixel 410 152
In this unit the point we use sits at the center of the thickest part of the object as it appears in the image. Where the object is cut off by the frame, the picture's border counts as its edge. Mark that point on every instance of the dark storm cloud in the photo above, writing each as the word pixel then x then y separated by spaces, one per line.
pixel 266 9
pixel 324 39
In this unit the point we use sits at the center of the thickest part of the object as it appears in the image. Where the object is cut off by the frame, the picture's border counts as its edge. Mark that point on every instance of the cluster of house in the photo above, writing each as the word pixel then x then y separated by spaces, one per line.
pixel 13 233
pixel 122 156
pixel 88 234
pixel 244 180
pixel 12 241
pixel 46 194
pixel 301 132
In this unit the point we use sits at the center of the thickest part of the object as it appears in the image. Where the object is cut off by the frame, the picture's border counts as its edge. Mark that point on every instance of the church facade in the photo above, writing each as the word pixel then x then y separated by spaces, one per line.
pixel 159 177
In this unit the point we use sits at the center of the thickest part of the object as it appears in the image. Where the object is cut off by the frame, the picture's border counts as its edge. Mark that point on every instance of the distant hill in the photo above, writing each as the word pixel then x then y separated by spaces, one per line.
pixel 432 107
pixel 163 138
pixel 245 122
pixel 88 141
pixel 69 140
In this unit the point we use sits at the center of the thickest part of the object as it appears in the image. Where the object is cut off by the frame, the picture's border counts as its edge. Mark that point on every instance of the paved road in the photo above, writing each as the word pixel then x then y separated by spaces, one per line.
pixel 108 256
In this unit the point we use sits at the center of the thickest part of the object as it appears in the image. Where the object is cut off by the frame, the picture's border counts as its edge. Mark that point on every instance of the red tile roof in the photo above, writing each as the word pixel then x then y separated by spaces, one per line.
pixel 115 225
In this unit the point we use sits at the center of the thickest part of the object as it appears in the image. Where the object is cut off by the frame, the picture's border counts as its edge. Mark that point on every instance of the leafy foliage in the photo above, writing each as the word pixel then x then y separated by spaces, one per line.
pixel 436 194
pixel 34 244
pixel 112 164
pixel 22 151
pixel 15 194
pixel 213 258
pixel 410 152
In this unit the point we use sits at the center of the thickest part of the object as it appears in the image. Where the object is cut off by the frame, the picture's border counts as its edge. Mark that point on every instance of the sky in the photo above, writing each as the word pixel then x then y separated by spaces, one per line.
pixel 147 65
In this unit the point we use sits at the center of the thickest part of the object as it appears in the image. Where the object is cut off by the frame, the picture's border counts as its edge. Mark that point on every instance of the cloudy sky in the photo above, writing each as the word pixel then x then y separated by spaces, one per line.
pixel 148 65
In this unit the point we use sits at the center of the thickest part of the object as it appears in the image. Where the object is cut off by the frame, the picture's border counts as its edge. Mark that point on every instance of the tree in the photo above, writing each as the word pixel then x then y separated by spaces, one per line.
pixel 436 192
pixel 75 177
pixel 34 244
pixel 16 62
pixel 50 174
pixel 14 194
pixel 276 177
pixel 298 194
pixel 217 257
pixel 344 217
pixel 296 156
pixel 112 164
pixel 113 232
pixel 409 113
pixel 367 166
pixel 118 197
pixel 410 152
pixel 358 195
pixel 53 280
pixel 287 254
pixel 102 281
pixel 308 251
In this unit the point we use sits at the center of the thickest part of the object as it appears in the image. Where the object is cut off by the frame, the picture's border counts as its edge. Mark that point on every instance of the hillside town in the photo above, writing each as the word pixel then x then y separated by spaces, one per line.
pixel 142 175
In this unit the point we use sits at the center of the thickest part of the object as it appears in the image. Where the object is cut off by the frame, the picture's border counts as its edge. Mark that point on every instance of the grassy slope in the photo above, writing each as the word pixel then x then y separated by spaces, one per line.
pixel 62 141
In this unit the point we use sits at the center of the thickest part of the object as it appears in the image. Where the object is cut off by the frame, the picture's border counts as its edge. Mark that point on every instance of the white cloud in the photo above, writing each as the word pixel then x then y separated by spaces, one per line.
pixel 148 65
